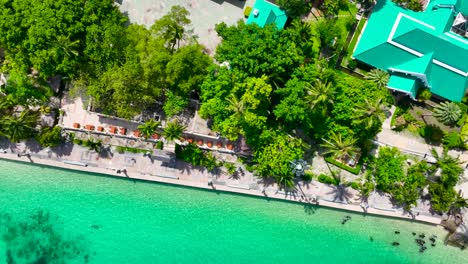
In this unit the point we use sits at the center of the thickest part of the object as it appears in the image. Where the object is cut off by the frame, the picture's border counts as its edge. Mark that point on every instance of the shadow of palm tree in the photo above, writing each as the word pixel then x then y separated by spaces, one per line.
pixel 310 208
pixel 33 145
pixel 342 193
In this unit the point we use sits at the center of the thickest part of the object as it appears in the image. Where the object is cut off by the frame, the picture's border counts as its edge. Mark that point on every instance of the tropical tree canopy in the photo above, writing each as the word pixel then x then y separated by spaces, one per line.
pixel 371 112
pixel 21 127
pixel 320 95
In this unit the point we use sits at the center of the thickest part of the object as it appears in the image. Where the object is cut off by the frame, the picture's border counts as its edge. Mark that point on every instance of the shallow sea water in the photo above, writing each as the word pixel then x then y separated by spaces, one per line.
pixel 109 220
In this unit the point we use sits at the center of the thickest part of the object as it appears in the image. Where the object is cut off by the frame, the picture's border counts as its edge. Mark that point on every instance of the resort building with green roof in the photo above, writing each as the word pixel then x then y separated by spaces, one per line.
pixel 265 13
pixel 419 49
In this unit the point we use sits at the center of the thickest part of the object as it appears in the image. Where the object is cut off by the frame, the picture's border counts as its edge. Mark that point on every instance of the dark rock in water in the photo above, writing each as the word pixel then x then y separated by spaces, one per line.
pixel 371 238
pixel 395 243
pixel 422 235
pixel 96 226
pixel 397 232
pixel 433 245
pixel 414 233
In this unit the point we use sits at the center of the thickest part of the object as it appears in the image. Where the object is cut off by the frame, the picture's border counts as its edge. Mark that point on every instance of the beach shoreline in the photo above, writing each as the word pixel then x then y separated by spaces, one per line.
pixel 76 166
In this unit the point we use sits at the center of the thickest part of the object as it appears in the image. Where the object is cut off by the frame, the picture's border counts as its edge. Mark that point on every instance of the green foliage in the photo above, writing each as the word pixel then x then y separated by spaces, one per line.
pixel 345 167
pixel 453 140
pixel 388 168
pixel 261 51
pixel 339 147
pixel 379 77
pixel 441 197
pixel 150 71
pixel 366 188
pixel 407 191
pixel 50 137
pixel 410 4
pixel 173 130
pixel 448 113
pixel 352 64
pixel 194 155
pixel 331 8
pixel 273 159
pixel 172 27
pixel 149 128
pixel 123 149
pixel 92 144
pixel 59 37
pixel 424 94
pixel 307 177
pixel 295 8
pixel 355 186
pixel 230 167
pixel 431 133
pixel 323 178
pixel 442 192
pixel 159 145
pixel 18 128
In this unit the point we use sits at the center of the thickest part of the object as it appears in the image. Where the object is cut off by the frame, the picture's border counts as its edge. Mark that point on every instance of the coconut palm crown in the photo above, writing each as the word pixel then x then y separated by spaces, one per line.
pixel 379 77
pixel 173 130
pixel 339 147
pixel 149 127
pixel 320 95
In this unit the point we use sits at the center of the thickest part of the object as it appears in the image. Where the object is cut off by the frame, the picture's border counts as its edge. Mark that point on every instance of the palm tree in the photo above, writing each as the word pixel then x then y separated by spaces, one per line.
pixel 236 106
pixel 320 95
pixel 370 112
pixel 285 181
pixel 447 112
pixel 149 127
pixel 379 77
pixel 17 128
pixel 93 145
pixel 173 130
pixel 339 148
pixel 459 203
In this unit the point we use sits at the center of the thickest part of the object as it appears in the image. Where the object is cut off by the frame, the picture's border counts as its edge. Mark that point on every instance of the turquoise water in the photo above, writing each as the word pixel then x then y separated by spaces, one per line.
pixel 108 220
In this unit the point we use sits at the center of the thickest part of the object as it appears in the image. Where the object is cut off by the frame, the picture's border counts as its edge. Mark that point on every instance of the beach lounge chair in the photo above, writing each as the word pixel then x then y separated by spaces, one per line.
pixel 136 133
pixel 76 125
pixel 100 129
pixel 122 131
pixel 89 127
pixel 112 130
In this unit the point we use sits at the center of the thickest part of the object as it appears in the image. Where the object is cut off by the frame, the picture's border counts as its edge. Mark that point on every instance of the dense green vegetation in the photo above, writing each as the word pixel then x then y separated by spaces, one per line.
pixel 410 4
pixel 275 86
pixel 405 183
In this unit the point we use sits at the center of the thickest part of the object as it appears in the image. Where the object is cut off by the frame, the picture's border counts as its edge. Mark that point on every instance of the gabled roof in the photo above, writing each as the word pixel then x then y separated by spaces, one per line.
pixel 401 40
pixel 268 13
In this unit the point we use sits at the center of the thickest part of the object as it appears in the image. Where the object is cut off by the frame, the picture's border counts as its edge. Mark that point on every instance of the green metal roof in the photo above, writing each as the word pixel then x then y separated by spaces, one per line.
pixel 268 13
pixel 405 84
pixel 401 40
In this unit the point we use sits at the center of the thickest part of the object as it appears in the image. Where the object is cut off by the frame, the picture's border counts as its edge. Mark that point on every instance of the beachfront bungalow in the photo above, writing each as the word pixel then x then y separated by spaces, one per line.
pixel 264 13
pixel 419 49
